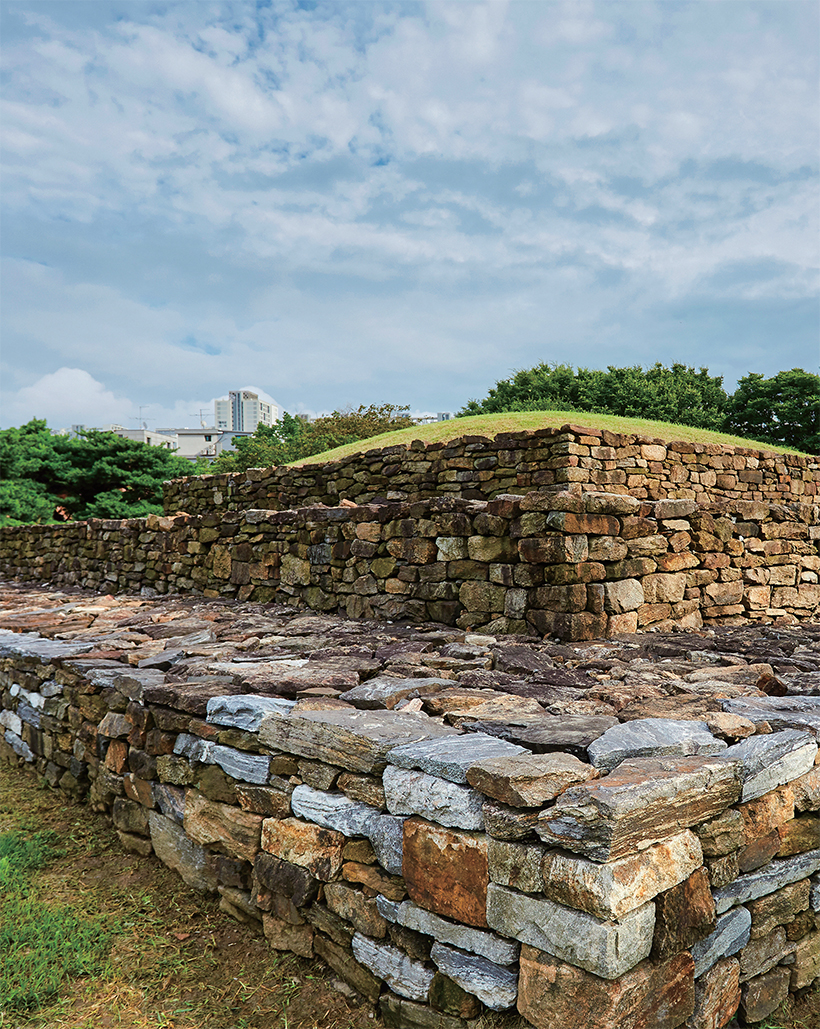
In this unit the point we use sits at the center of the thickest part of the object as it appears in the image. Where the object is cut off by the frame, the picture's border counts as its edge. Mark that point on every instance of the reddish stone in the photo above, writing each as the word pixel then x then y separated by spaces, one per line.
pixel 761 996
pixel 717 996
pixel 759 852
pixel 446 871
pixel 116 757
pixel 555 995
pixel 683 915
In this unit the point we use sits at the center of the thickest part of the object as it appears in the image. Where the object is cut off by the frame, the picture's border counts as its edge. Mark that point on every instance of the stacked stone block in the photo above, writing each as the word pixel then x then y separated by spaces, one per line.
pixel 575 565
pixel 669 877
pixel 478 468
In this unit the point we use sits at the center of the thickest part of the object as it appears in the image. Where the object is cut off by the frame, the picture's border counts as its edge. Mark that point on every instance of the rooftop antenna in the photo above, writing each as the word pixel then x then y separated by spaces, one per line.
pixel 202 423
pixel 141 423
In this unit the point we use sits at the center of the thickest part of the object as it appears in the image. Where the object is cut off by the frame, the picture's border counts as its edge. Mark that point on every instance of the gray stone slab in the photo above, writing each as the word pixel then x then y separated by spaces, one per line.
pixel 29 714
pixel 51 689
pixel 133 682
pixel 115 726
pixel 494 986
pixel 174 849
pixel 9 720
pixel 770 760
pixel 239 764
pixel 814 893
pixel 765 880
pixel 333 811
pixel 170 800
pixel 652 737
pixel 20 748
pixel 730 936
pixel 408 978
pixel 411 916
pixel 355 740
pixel 409 792
pixel 245 711
pixel 193 748
pixel 386 835
pixel 385 691
pixel 780 712
pixel 29 644
pixel 607 949
pixel 451 757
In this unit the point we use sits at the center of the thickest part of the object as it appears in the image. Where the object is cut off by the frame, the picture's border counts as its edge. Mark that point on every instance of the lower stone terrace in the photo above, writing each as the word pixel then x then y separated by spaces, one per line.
pixel 617 833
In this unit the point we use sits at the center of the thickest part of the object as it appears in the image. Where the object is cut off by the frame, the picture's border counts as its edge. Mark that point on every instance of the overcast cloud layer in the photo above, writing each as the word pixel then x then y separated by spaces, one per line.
pixel 403 202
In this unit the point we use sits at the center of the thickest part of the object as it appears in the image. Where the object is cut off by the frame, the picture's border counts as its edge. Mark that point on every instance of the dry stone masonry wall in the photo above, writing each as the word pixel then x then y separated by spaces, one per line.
pixel 478 468
pixel 620 834
pixel 572 564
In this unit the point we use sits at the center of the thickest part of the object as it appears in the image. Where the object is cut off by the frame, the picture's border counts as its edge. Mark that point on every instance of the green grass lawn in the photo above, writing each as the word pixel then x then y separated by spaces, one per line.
pixel 490 425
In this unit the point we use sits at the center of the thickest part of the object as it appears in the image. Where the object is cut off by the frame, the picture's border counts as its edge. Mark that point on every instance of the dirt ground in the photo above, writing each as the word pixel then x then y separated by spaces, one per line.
pixel 177 962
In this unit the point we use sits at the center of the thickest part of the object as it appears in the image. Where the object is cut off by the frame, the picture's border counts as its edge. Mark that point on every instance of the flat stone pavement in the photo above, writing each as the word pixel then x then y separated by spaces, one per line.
pixel 544 694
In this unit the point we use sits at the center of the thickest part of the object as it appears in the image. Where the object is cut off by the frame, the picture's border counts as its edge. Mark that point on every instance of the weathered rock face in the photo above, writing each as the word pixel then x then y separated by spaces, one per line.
pixel 554 995
pixel 613 889
pixel 608 949
pixel 446 871
pixel 528 780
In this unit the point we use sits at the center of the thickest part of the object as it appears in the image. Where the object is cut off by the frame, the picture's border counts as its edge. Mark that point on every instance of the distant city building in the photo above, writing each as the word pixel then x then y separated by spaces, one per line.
pixel 242 411
pixel 427 419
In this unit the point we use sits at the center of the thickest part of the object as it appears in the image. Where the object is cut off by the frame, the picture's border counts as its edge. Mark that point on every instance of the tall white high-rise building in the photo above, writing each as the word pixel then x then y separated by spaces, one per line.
pixel 242 411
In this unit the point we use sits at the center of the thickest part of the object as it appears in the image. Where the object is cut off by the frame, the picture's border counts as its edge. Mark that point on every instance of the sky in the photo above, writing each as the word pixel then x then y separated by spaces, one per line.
pixel 354 203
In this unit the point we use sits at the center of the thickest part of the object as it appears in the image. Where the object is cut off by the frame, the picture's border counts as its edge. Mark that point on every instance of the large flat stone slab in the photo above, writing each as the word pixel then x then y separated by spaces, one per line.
pixel 607 949
pixel 487 945
pixel 438 800
pixel 385 691
pixel 801 713
pixel 765 880
pixel 644 801
pixel 652 737
pixel 528 780
pixel 452 756
pixel 246 710
pixel 355 740
pixel 548 733
pixel 771 760
pixel 494 986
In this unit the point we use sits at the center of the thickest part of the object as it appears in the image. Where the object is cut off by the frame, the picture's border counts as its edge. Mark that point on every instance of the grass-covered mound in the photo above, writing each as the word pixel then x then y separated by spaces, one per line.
pixel 490 425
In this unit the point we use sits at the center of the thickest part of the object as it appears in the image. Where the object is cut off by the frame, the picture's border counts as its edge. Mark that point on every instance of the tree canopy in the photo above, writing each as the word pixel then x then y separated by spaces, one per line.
pixel 784 409
pixel 47 478
pixel 678 394
pixel 293 438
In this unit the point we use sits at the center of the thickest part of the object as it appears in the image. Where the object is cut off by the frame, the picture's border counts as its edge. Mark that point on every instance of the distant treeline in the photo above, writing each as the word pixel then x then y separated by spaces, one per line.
pixel 783 409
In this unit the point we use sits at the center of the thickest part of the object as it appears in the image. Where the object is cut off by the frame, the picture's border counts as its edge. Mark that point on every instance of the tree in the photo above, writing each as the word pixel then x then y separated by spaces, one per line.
pixel 294 438
pixel 783 409
pixel 48 478
pixel 677 394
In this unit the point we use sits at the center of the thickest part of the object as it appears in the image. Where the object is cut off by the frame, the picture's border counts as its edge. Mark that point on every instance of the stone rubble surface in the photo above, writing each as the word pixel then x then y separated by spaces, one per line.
pixel 620 832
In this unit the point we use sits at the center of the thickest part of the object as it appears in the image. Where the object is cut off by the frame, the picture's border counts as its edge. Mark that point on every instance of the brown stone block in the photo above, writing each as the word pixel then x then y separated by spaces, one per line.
pixel 761 996
pixel 799 835
pixel 806 967
pixel 768 812
pixel 281 935
pixel 683 915
pixel 555 995
pixel 208 821
pixel 778 908
pixel 301 843
pixel 717 996
pixel 759 852
pixel 446 871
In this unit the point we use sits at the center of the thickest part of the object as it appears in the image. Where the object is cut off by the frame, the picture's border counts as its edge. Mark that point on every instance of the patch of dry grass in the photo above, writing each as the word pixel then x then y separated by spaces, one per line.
pixel 176 960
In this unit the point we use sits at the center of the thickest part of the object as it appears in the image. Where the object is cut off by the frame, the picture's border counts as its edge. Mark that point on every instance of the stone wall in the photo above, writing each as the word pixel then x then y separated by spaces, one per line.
pixel 575 565
pixel 659 872
pixel 478 468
